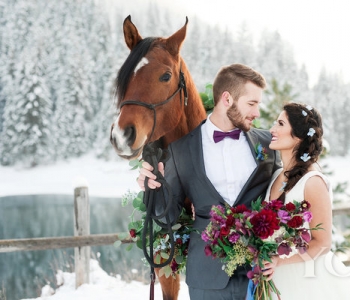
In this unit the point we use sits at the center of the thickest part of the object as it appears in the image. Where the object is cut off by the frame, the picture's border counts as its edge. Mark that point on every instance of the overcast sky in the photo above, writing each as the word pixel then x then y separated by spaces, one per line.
pixel 318 30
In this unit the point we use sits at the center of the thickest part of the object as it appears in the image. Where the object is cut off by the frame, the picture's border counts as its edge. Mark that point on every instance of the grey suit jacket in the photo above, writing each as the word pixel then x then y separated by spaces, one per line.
pixel 185 173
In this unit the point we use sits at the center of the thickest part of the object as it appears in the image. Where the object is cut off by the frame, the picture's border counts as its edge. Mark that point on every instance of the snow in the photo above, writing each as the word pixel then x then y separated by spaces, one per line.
pixel 102 286
pixel 104 179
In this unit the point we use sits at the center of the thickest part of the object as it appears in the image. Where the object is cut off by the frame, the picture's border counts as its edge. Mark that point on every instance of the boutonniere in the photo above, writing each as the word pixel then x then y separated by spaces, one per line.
pixel 260 151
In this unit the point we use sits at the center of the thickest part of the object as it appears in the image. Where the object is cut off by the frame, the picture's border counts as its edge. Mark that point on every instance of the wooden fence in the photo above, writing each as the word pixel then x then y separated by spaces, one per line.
pixel 82 239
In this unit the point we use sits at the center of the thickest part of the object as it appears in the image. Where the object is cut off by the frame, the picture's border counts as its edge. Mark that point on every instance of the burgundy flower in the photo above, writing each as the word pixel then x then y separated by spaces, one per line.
pixel 207 250
pixel 284 249
pixel 275 204
pixel 304 205
pixel 239 209
pixel 295 222
pixel 132 233
pixel 178 241
pixel 174 266
pixel 305 235
pixel 265 223
pixel 230 220
pixel 290 206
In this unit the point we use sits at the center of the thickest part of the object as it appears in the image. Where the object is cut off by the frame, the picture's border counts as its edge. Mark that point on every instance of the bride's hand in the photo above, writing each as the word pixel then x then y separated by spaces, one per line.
pixel 269 267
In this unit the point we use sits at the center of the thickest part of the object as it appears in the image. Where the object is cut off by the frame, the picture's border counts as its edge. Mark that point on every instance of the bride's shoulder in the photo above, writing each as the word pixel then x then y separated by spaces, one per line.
pixel 315 179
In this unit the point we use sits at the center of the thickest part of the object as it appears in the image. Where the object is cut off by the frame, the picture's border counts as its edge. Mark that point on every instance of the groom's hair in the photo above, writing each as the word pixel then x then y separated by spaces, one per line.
pixel 232 79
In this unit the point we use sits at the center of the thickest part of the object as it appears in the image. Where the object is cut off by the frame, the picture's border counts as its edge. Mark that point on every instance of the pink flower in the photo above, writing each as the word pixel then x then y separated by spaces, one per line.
pixel 283 216
pixel 307 215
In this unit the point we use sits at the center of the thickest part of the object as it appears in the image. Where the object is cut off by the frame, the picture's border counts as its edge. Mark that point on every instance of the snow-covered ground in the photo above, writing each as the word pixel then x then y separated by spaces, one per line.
pixel 102 286
pixel 105 179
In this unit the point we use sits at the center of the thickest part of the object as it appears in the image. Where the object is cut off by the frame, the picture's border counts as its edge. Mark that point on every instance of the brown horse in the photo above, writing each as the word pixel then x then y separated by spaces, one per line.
pixel 157 100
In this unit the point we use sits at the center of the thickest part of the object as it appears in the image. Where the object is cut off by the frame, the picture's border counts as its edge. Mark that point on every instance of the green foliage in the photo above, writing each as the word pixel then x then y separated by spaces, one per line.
pixel 207 98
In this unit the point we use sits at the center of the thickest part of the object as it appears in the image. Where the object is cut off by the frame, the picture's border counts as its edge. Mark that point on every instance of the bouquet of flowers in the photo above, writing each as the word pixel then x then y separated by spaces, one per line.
pixel 240 236
pixel 161 245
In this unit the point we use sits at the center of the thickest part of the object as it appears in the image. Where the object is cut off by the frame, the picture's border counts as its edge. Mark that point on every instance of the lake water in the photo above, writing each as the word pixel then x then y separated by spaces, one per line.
pixel 23 274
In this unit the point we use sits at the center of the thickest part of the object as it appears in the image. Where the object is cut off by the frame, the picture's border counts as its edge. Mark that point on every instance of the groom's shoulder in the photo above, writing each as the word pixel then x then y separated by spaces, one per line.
pixel 261 133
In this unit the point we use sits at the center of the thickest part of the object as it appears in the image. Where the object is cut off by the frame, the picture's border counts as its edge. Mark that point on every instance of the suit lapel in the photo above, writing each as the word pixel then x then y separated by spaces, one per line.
pixel 253 140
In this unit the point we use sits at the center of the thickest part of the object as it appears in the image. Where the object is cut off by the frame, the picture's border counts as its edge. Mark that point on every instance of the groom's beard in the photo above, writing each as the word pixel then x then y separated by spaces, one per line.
pixel 236 118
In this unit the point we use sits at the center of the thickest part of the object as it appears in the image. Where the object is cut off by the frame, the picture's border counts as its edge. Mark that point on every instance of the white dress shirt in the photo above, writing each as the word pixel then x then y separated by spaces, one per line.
pixel 228 163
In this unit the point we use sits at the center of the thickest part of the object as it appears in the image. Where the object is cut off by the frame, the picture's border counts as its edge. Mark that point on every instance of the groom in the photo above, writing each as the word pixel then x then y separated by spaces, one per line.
pixel 217 163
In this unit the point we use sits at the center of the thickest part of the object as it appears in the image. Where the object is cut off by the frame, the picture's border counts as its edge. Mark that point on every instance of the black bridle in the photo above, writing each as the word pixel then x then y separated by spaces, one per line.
pixel 153 106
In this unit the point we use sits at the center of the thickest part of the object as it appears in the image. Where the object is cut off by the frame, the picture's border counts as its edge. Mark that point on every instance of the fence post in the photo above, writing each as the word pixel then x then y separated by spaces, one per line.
pixel 81 228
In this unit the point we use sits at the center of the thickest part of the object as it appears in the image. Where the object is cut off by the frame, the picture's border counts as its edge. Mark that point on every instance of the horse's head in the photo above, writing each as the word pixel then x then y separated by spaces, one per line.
pixel 149 89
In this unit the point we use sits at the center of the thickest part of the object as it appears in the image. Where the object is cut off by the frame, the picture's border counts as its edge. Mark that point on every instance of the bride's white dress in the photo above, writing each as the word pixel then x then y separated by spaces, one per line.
pixel 325 278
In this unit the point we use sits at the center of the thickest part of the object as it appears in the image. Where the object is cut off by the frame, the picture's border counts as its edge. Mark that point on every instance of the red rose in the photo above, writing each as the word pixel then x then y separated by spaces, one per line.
pixel 265 223
pixel 295 222
pixel 224 231
pixel 290 206
pixel 132 233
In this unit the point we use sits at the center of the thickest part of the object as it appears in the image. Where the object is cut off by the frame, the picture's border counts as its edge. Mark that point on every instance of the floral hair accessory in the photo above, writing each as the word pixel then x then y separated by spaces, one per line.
pixel 304 113
pixel 260 152
pixel 283 186
pixel 305 157
pixel 309 107
pixel 311 132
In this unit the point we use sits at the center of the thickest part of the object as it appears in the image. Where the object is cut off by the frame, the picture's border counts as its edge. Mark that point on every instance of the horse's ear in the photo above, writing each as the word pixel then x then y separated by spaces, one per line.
pixel 131 34
pixel 175 41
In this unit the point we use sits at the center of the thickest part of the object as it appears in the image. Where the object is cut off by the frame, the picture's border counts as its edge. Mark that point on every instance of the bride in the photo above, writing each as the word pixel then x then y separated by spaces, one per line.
pixel 317 274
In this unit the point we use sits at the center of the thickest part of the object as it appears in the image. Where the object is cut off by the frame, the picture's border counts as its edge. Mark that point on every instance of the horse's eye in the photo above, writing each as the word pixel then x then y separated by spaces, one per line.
pixel 165 77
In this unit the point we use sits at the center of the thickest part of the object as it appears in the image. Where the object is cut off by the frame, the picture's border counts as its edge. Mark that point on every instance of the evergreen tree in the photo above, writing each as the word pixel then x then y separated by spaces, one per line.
pixel 276 98
pixel 26 134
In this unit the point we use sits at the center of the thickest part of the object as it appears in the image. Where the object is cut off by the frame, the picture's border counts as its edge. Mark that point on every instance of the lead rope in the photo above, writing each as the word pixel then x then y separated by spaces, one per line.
pixel 153 156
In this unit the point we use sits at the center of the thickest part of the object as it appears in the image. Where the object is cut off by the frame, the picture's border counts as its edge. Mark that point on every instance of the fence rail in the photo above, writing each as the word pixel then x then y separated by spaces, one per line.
pixel 47 243
pixel 83 239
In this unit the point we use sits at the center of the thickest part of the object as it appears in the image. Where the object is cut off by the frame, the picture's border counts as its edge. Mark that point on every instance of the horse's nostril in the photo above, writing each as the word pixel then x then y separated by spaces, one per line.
pixel 130 134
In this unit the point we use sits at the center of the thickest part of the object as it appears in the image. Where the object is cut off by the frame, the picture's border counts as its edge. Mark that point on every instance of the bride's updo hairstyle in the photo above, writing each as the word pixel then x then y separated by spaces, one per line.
pixel 306 123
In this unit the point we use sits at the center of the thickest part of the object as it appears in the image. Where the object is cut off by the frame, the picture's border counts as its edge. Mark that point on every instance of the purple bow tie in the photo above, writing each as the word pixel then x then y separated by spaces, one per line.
pixel 219 135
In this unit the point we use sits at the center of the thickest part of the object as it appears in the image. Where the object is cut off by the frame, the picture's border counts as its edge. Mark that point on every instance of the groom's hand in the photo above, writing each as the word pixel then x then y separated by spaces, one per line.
pixel 146 171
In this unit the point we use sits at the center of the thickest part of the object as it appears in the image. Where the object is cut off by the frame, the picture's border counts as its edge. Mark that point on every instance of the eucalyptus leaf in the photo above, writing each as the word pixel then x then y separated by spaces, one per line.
pixel 179 259
pixel 157 259
pixel 167 271
pixel 129 247
pixel 164 255
pixel 176 227
pixel 123 235
pixel 117 244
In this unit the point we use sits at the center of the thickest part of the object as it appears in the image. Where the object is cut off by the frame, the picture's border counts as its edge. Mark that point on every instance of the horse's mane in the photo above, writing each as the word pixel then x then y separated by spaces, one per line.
pixel 129 65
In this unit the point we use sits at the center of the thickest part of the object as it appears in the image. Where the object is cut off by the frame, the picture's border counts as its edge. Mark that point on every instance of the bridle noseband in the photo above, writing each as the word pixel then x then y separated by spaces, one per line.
pixel 151 106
